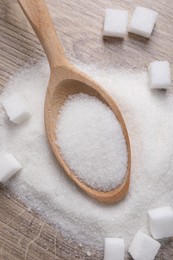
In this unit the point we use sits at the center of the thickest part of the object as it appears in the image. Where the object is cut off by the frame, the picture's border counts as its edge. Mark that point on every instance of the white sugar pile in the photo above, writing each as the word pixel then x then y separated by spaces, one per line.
pixel 91 142
pixel 44 186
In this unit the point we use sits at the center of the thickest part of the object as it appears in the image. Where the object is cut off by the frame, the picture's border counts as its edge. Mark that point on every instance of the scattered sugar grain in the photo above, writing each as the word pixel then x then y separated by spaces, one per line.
pixel 88 253
pixel 149 121
pixel 80 244
pixel 8 195
pixel 94 148
pixel 29 209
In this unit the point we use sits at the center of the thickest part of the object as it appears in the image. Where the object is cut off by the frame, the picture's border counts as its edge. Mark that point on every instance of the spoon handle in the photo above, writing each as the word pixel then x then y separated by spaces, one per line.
pixel 38 16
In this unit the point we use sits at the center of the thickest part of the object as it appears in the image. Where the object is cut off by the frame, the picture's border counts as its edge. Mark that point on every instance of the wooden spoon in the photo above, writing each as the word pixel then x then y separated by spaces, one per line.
pixel 66 80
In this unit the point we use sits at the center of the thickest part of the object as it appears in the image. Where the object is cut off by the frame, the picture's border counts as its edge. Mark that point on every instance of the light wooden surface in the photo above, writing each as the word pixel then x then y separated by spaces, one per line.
pixel 24 235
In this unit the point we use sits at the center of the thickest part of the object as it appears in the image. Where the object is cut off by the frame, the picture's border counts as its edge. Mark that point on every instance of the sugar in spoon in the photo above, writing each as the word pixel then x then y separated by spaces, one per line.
pixel 66 80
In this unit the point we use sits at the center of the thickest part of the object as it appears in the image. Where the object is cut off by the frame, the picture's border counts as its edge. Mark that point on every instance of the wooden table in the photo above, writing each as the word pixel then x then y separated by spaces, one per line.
pixel 23 234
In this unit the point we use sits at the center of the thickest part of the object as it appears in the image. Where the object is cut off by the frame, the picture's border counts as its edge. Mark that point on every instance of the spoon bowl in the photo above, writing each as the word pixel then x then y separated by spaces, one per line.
pixel 66 80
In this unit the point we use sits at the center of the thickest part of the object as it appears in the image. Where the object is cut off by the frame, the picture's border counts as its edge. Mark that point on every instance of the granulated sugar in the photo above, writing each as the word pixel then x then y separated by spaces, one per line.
pixel 43 185
pixel 91 142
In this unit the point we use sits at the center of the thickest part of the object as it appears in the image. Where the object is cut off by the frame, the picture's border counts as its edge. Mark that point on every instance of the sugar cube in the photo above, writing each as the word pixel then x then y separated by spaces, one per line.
pixel 114 249
pixel 16 108
pixel 143 247
pixel 115 23
pixel 159 75
pixel 161 222
pixel 143 21
pixel 8 166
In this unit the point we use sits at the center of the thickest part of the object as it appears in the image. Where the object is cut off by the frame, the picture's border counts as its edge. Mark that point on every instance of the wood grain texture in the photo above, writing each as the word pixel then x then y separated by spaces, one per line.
pixel 24 235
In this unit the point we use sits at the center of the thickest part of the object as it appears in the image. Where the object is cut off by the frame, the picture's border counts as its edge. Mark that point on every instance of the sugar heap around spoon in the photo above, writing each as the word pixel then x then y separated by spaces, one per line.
pixel 66 80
